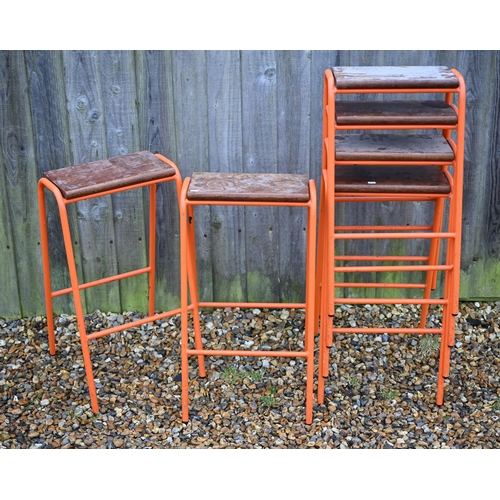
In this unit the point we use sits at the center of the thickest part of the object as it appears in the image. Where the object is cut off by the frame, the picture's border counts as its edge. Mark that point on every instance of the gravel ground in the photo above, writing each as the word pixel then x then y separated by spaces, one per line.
pixel 380 392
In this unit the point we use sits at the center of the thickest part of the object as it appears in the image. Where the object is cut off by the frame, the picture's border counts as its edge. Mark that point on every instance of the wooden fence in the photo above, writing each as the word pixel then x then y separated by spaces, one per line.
pixel 229 111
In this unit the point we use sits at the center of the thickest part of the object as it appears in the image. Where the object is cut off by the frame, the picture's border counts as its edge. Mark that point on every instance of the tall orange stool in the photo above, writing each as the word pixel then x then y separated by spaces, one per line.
pixel 290 190
pixel 90 180
pixel 393 157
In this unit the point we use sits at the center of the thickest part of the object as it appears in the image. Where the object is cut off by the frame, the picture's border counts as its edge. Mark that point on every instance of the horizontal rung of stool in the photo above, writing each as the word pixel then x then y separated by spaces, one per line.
pixel 87 180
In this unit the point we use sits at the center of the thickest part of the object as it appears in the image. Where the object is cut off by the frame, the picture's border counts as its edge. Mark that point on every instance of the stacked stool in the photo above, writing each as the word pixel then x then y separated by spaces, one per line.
pixel 393 157
pixel 91 180
pixel 290 190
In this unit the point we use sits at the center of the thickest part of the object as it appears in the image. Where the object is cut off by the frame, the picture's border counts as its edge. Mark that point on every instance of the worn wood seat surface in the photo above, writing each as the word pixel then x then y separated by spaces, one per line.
pixel 112 173
pixel 428 179
pixel 220 186
pixel 394 77
pixel 392 147
pixel 397 112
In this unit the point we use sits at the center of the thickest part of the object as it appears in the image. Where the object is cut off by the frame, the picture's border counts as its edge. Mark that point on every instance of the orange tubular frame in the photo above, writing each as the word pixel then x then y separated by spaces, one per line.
pixel 76 287
pixel 188 273
pixel 329 233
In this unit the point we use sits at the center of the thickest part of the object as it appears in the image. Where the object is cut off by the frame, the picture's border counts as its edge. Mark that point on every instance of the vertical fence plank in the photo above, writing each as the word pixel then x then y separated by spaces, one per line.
pixel 88 143
pixel 10 304
pixel 20 183
pixel 227 231
pixel 190 103
pixel 52 146
pixel 129 242
pixel 153 70
pixel 260 155
pixel 157 129
pixel 481 232
pixel 294 131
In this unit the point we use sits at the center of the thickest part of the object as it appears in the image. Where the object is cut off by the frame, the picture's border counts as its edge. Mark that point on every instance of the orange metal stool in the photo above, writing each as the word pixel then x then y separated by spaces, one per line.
pixel 289 190
pixel 402 162
pixel 90 180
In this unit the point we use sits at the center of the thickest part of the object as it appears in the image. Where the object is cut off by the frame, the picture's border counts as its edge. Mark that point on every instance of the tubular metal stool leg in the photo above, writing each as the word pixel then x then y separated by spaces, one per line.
pixel 95 179
pixel 245 190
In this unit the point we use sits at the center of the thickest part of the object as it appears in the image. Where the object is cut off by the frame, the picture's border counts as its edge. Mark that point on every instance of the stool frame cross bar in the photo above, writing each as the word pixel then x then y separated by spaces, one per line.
pixel 53 186
pixel 188 262
pixel 450 117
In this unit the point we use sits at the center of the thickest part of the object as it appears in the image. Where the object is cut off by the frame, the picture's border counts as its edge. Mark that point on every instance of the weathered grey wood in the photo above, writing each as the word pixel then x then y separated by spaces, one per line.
pixel 157 131
pixel 227 117
pixel 117 77
pixel 52 149
pixel 190 107
pixel 481 249
pixel 260 139
pixel 227 231
pixel 20 178
pixel 293 80
pixel 243 187
pixel 10 304
pixel 88 143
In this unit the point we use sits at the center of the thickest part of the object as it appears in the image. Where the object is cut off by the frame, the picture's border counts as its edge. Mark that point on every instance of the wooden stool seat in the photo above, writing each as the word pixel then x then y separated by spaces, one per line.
pixel 112 173
pixel 394 77
pixel 214 186
pixel 392 147
pixel 397 112
pixel 391 179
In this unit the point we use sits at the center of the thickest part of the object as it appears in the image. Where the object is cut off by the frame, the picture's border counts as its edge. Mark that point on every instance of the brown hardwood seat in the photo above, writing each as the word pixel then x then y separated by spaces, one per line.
pixel 392 147
pixel 394 77
pixel 397 112
pixel 391 179
pixel 102 175
pixel 219 186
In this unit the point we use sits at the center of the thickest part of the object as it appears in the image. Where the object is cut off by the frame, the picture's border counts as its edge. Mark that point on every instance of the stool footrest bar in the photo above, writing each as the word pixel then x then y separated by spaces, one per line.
pixel 267 305
pixel 103 281
pixel 216 352
pixel 379 269
pixel 351 300
pixel 390 330
pixel 133 324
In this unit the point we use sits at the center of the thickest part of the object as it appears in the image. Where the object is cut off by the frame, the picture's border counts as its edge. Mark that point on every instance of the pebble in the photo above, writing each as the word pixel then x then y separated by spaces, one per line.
pixel 380 392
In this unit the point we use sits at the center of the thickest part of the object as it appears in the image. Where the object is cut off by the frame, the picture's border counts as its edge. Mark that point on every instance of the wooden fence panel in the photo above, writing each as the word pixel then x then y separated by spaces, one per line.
pixel 235 111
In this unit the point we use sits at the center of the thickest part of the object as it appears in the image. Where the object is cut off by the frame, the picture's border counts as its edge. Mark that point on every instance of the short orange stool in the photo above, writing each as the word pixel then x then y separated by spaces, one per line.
pixel 90 180
pixel 290 190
